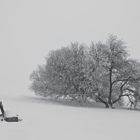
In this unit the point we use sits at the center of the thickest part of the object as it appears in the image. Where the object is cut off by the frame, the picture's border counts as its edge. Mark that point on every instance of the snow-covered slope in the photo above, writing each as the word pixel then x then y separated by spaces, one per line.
pixel 45 121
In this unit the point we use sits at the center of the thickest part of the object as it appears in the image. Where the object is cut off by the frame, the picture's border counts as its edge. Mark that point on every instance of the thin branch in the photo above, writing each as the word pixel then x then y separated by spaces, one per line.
pixel 130 90
pixel 120 80
pixel 128 95
pixel 121 92
pixel 101 100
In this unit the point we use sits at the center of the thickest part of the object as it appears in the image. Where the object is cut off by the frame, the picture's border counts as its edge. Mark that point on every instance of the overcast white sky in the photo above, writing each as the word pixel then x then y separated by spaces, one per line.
pixel 30 28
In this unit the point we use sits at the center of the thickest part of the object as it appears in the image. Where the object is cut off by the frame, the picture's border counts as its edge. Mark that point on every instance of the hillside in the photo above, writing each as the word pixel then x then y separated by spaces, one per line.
pixel 46 121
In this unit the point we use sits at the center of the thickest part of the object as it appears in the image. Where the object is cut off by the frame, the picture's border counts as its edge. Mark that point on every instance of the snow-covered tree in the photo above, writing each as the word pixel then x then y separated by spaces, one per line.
pixel 102 72
pixel 116 75
pixel 65 74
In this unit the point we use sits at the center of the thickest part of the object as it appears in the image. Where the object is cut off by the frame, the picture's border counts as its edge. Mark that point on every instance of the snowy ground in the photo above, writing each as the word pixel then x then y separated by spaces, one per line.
pixel 46 121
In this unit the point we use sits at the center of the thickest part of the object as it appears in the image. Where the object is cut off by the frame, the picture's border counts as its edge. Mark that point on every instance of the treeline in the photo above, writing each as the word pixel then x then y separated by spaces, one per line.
pixel 101 72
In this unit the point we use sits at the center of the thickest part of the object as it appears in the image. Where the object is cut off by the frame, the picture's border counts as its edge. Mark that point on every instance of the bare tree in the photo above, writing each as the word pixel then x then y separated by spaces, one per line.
pixel 116 75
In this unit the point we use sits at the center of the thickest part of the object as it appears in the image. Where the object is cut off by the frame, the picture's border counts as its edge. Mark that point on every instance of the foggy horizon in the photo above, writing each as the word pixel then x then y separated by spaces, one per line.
pixel 30 29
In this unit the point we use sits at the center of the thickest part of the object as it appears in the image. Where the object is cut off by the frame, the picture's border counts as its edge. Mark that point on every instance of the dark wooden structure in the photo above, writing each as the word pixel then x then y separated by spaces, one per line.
pixel 8 119
pixel 2 109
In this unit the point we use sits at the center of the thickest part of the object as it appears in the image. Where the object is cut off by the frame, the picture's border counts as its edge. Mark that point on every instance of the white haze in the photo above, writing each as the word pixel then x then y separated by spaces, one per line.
pixel 29 29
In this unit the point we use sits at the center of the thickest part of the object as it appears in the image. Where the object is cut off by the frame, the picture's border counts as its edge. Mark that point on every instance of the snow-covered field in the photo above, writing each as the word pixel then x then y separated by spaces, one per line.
pixel 46 121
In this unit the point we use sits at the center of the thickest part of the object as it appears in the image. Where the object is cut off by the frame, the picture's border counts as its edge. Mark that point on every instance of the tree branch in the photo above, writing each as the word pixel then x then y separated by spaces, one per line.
pixel 121 92
pixel 120 80
pixel 101 100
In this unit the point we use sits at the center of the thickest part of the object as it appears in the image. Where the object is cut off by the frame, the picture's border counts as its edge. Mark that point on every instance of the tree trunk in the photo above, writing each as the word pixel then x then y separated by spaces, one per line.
pixel 106 105
pixel 110 88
